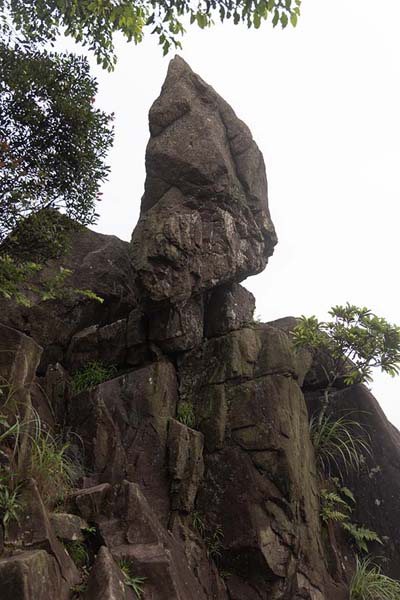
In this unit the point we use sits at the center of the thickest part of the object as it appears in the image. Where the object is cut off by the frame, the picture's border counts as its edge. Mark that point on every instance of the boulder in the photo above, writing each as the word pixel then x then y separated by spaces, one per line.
pixel 123 423
pixel 68 528
pixel 31 575
pixel 178 327
pixel 376 487
pixel 19 359
pixel 204 215
pixel 34 530
pixel 186 466
pixel 99 263
pixel 106 580
pixel 228 307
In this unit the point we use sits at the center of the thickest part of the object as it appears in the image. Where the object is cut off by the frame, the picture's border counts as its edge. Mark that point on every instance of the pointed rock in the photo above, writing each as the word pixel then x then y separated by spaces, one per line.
pixel 204 215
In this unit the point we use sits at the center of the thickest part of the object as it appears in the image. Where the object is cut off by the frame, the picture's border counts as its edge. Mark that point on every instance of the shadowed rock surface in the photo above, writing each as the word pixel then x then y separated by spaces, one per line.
pixel 198 479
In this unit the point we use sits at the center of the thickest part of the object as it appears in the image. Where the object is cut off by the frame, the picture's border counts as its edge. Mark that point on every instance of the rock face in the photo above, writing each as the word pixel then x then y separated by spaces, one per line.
pixel 99 263
pixel 204 216
pixel 200 480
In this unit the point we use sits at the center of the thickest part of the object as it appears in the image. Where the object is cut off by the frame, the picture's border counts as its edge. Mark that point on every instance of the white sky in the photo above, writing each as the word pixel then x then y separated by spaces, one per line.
pixel 322 102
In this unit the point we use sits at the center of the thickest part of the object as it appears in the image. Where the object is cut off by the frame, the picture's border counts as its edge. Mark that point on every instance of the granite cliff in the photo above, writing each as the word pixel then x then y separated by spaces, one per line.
pixel 198 472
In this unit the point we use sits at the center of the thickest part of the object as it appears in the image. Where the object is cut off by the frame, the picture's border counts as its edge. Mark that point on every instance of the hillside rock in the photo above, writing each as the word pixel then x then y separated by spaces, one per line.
pixel 99 263
pixel 204 216
pixel 197 472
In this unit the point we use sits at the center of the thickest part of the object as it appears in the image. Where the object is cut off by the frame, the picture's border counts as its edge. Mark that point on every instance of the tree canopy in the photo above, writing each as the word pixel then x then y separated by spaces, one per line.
pixel 53 140
pixel 94 22
pixel 53 144
pixel 355 341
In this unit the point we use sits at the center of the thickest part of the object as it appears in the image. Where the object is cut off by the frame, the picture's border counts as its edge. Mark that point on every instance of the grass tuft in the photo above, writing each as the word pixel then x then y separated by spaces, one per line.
pixel 133 581
pixel 369 583
pixel 91 375
pixel 339 443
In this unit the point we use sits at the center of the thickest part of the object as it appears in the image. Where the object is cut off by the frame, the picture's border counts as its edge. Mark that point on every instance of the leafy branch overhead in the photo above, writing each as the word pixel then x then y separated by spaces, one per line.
pixel 354 342
pixel 94 23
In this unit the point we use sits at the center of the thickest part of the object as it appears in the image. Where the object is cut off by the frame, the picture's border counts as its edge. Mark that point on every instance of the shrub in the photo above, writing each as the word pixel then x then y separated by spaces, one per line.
pixel 369 583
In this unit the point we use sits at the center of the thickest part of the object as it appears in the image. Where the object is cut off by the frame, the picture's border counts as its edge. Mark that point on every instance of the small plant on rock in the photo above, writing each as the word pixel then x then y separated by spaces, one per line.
pixel 350 345
pixel 336 507
pixel 185 414
pixel 132 581
pixel 91 375
pixel 79 554
pixel 51 466
pixel 214 543
pixel 369 583
pixel 10 504
pixel 338 442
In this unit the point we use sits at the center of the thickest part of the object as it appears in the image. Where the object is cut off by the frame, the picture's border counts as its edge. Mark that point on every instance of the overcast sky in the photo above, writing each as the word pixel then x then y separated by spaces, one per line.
pixel 322 102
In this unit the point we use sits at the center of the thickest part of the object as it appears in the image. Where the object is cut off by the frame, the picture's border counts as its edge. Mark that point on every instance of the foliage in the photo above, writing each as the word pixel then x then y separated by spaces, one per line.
pixel 54 471
pixel 214 543
pixel 369 583
pixel 186 414
pixel 79 554
pixel 95 23
pixel 53 142
pixel 198 522
pixel 132 581
pixel 10 505
pixel 335 506
pixel 354 341
pixel 91 375
pixel 47 461
pixel 212 537
pixel 338 442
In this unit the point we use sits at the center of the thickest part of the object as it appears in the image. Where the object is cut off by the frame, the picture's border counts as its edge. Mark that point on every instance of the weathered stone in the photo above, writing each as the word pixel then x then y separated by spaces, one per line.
pixel 99 263
pixel 302 357
pixel 240 355
pixel 106 581
pixel 123 423
pixel 31 576
pixel 50 395
pixel 136 333
pixel 83 348
pixel 112 342
pixel 93 501
pixel 19 359
pixel 376 486
pixel 67 527
pixel 138 537
pixel 204 218
pixel 211 416
pixel 34 531
pixel 228 307
pixel 185 460
pixel 178 327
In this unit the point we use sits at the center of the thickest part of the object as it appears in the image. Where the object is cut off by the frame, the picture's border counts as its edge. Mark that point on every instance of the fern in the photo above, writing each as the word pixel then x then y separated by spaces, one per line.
pixel 361 535
pixel 335 507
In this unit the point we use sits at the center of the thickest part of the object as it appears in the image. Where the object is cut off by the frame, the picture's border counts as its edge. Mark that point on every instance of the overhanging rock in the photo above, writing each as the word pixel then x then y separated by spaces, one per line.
pixel 204 214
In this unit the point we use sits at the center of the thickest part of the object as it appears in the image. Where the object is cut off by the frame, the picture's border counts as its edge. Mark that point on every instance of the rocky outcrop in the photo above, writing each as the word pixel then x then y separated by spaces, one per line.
pixel 199 477
pixel 98 263
pixel 204 216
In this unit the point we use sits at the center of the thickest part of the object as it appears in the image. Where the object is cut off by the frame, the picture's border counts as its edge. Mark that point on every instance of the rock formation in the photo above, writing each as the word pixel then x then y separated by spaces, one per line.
pixel 198 476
